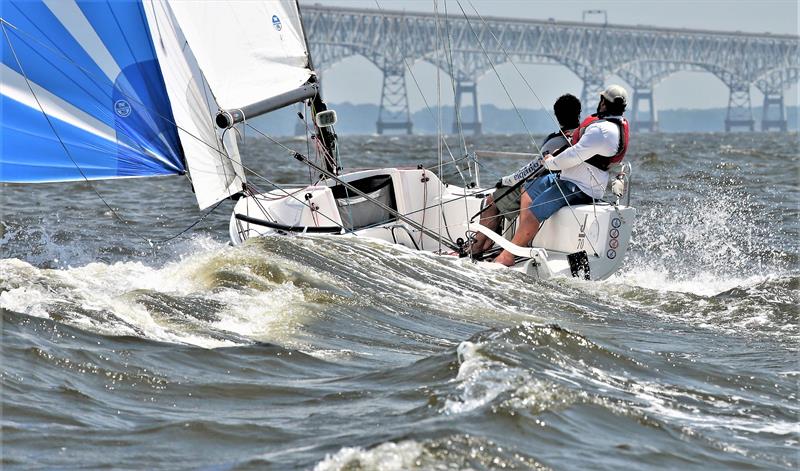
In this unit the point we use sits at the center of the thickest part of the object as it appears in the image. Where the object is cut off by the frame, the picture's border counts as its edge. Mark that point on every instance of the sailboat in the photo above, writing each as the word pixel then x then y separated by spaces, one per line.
pixel 102 90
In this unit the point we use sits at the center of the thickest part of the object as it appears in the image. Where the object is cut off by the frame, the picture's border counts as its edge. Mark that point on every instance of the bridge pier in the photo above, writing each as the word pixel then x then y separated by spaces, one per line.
pixel 740 115
pixel 476 126
pixel 644 119
pixel 393 113
pixel 590 94
pixel 774 113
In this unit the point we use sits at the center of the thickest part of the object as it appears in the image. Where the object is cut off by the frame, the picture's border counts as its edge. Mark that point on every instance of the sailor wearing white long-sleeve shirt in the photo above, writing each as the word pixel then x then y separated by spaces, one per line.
pixel 600 138
pixel 583 167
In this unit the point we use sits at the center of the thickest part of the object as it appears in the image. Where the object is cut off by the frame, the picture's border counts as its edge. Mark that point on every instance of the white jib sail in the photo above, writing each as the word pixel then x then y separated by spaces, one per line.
pixel 214 167
pixel 248 51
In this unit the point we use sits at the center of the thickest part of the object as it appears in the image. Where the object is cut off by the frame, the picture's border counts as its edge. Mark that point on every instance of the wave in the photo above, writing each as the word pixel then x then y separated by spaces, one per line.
pixel 546 374
pixel 222 297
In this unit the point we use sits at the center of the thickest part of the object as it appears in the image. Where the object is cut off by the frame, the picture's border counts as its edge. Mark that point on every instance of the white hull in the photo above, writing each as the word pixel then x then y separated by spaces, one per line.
pixel 603 231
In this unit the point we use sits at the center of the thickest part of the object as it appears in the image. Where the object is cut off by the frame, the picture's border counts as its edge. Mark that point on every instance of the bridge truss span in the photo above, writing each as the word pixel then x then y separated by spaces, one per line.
pixel 641 56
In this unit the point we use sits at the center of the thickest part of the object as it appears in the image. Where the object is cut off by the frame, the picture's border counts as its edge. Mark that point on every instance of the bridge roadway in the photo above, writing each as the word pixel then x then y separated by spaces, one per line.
pixel 641 55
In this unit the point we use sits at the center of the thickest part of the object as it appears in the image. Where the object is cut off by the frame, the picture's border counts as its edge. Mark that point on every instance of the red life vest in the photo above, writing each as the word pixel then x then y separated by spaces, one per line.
pixel 601 161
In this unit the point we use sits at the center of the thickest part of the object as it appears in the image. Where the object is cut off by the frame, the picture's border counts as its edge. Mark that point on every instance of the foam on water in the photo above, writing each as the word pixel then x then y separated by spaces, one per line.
pixel 481 380
pixel 131 298
pixel 686 357
pixel 386 456
pixel 489 378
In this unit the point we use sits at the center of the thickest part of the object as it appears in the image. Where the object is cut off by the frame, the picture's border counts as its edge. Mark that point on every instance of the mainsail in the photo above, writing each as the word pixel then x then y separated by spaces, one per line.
pixel 96 90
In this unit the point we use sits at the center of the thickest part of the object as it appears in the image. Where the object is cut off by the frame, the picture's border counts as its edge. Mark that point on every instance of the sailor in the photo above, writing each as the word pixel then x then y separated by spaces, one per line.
pixel 599 142
pixel 505 201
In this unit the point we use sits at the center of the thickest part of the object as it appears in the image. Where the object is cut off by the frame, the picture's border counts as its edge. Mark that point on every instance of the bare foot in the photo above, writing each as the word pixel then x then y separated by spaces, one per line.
pixel 480 244
pixel 476 248
pixel 505 258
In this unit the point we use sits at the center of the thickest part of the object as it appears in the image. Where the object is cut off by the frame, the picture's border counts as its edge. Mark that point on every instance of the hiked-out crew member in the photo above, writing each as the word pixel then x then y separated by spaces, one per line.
pixel 600 141
pixel 505 201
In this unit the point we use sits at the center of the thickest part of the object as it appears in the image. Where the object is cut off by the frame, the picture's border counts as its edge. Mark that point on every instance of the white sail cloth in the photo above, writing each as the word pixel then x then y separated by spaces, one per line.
pixel 215 169
pixel 248 50
pixel 223 55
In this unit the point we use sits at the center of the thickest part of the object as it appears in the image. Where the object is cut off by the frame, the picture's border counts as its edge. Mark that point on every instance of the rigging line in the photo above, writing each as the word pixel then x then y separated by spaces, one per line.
pixel 60 141
pixel 191 226
pixel 449 54
pixel 456 106
pixel 508 57
pixel 494 69
pixel 94 78
pixel 427 106
pixel 424 100
pixel 355 190
pixel 460 159
pixel 572 210
pixel 307 132
pixel 439 120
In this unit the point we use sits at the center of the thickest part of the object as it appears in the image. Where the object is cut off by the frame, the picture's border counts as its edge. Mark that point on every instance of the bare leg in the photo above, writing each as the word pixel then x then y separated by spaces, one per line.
pixel 490 219
pixel 527 227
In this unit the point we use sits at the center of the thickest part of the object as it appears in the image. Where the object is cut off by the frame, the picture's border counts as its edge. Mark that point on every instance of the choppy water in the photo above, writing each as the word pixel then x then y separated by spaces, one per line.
pixel 334 353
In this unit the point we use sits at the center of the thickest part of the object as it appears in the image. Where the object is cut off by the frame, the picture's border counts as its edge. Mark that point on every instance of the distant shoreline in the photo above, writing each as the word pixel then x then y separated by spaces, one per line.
pixel 360 120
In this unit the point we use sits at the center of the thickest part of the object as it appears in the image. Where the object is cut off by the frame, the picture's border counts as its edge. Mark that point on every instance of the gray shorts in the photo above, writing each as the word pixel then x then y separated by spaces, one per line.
pixel 508 206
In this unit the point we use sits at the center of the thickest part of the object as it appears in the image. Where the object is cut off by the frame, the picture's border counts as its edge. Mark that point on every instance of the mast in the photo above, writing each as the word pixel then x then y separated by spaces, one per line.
pixel 326 135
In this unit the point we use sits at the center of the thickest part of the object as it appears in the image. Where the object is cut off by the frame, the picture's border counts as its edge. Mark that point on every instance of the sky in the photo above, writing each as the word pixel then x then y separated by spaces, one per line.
pixel 356 80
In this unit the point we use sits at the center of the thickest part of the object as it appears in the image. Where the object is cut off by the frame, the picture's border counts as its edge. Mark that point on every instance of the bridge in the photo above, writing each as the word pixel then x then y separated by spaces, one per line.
pixel 642 56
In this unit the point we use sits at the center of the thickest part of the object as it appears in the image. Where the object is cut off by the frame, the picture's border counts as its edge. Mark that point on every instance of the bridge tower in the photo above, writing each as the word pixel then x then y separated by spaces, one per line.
pixel 590 94
pixel 394 113
pixel 740 115
pixel 643 118
pixel 774 113
pixel 476 126
pixel 773 85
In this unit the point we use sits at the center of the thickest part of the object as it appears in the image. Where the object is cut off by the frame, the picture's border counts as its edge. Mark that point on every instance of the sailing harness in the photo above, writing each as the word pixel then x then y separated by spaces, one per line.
pixel 604 162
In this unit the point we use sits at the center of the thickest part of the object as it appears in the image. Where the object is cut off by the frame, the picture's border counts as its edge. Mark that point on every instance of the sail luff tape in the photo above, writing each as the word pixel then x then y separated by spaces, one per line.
pixel 227 118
